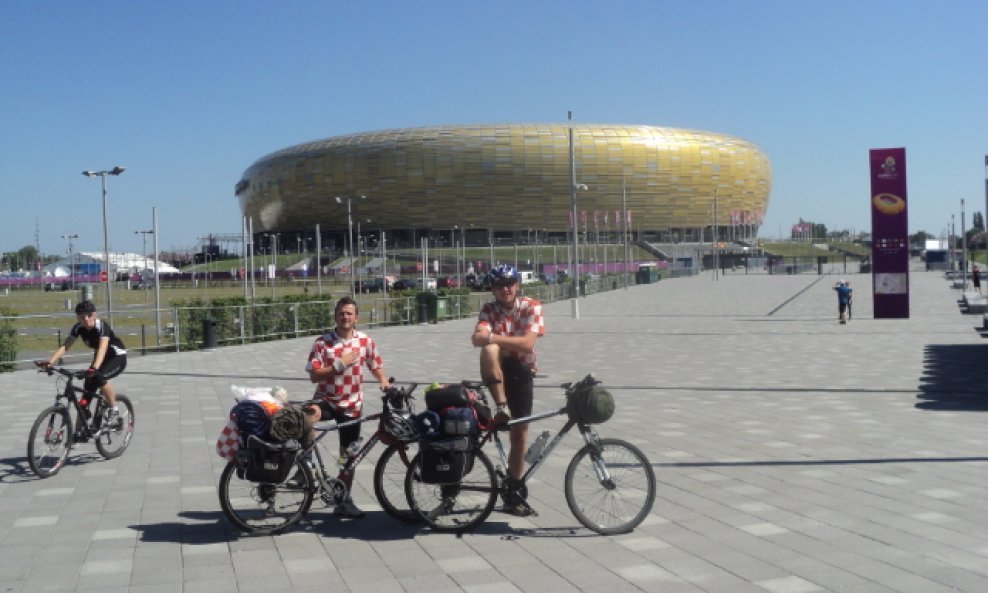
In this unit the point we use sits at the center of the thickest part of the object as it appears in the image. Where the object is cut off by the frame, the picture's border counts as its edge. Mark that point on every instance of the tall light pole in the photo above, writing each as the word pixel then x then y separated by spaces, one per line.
pixel 144 241
pixel 71 269
pixel 349 218
pixel 576 234
pixel 106 236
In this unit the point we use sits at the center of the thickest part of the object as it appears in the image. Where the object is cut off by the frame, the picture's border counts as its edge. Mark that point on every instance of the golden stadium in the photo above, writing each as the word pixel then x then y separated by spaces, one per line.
pixel 504 181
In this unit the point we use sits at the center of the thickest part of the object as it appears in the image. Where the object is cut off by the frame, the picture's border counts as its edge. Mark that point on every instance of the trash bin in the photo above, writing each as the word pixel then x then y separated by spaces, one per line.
pixel 442 308
pixel 208 334
pixel 87 292
pixel 427 305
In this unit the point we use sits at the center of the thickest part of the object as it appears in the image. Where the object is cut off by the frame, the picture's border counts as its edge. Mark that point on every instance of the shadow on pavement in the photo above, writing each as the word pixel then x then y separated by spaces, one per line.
pixel 955 378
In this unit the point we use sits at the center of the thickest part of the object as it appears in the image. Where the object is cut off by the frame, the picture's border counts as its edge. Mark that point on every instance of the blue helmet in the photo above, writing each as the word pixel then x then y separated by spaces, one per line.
pixel 505 272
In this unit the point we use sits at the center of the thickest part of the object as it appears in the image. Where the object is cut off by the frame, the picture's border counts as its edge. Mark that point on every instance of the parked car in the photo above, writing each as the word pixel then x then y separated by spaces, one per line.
pixel 426 284
pixel 449 282
pixel 403 284
pixel 379 284
pixel 480 282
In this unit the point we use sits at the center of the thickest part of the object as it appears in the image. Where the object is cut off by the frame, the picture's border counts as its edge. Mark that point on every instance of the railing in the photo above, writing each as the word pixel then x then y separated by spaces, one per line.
pixel 186 328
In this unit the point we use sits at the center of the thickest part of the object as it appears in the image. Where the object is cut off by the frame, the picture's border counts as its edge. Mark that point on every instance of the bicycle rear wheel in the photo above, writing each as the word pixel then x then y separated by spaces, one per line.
pixel 265 509
pixel 453 507
pixel 50 441
pixel 611 488
pixel 115 434
pixel 389 481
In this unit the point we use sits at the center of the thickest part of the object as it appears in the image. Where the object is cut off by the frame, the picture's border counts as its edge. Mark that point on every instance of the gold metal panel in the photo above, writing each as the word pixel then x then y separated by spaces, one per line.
pixel 506 176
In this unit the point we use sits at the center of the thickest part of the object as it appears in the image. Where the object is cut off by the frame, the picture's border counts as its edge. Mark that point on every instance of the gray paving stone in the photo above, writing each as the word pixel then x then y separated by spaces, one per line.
pixel 792 455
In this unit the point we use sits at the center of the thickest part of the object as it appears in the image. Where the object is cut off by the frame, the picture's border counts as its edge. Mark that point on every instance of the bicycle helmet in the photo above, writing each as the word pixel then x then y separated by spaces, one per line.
pixel 504 273
pixel 401 428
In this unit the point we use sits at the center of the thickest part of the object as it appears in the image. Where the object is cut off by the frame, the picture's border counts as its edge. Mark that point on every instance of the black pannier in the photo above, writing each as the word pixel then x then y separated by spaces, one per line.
pixel 446 396
pixel 447 460
pixel 263 461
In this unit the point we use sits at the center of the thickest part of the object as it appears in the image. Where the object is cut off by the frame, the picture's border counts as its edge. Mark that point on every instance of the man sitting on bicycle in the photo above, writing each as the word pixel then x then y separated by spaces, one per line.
pixel 335 366
pixel 109 357
pixel 506 331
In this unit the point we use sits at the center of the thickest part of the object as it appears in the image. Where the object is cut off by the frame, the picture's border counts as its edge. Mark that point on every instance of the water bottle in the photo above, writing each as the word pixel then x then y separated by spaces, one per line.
pixel 537 447
pixel 351 450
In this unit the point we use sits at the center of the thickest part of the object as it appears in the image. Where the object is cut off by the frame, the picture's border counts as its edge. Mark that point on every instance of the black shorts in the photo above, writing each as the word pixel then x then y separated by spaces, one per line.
pixel 110 369
pixel 348 434
pixel 518 384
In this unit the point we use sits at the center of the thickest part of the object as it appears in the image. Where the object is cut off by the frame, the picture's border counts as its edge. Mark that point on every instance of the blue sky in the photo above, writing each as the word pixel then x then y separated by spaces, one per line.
pixel 186 95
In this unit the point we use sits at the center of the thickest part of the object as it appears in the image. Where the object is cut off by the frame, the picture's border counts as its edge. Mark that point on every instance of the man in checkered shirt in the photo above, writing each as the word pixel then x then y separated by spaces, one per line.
pixel 334 365
pixel 506 331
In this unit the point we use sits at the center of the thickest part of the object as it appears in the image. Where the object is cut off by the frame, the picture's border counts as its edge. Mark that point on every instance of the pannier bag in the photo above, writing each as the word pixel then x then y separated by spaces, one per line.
pixel 590 405
pixel 446 461
pixel 270 463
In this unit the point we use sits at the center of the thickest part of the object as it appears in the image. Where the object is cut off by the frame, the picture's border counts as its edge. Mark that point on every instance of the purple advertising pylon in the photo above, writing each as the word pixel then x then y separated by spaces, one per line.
pixel 889 234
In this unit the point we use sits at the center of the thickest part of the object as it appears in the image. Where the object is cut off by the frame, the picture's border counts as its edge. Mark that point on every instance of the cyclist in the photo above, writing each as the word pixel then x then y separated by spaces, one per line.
pixel 109 357
pixel 506 331
pixel 334 364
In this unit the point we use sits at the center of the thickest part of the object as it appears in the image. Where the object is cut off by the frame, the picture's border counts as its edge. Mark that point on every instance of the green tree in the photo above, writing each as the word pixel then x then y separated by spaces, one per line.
pixel 919 238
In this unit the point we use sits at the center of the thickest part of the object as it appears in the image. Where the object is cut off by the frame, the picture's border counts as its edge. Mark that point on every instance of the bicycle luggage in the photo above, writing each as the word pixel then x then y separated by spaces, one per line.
pixel 590 405
pixel 252 419
pixel 458 421
pixel 269 463
pixel 446 461
pixel 439 398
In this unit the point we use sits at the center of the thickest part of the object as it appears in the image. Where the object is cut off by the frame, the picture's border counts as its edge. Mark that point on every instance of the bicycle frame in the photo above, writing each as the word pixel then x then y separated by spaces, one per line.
pixel 588 434
pixel 70 391
pixel 328 483
pixel 586 431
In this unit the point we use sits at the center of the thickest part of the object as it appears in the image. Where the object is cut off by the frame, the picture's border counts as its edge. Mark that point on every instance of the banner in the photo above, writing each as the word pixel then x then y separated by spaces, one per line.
pixel 889 234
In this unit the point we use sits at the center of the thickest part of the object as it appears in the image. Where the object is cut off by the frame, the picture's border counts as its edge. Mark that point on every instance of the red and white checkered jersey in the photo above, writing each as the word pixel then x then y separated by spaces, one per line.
pixel 524 317
pixel 343 390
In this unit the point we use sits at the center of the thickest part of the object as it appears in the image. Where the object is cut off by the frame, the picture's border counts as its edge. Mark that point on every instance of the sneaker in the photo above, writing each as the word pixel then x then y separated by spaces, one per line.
pixel 521 509
pixel 112 413
pixel 80 437
pixel 349 510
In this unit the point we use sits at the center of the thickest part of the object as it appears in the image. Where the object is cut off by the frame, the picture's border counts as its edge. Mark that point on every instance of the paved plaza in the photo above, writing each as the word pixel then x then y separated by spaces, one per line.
pixel 792 455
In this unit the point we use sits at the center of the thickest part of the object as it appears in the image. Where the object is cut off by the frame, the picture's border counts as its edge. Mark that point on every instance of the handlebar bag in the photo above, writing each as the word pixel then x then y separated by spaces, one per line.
pixel 590 405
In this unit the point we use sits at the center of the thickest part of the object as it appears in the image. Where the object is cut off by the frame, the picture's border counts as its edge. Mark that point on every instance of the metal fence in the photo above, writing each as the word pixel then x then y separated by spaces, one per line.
pixel 194 328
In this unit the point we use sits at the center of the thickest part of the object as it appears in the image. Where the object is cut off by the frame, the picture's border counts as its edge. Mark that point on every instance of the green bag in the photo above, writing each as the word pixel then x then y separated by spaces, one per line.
pixel 591 405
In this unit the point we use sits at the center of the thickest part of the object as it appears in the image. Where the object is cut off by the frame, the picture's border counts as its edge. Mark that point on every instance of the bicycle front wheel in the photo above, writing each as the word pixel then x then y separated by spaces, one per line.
pixel 50 441
pixel 453 507
pixel 115 434
pixel 266 509
pixel 389 481
pixel 610 488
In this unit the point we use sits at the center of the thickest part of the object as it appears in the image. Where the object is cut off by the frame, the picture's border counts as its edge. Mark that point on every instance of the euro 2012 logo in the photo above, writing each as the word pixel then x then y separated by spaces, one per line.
pixel 889 203
pixel 888 166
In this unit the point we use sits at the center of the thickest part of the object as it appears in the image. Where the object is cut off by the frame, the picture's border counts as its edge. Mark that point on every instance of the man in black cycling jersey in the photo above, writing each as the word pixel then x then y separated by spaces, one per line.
pixel 109 355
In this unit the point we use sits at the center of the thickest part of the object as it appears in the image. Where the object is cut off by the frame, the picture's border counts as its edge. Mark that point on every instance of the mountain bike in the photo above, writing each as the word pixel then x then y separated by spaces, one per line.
pixel 609 483
pixel 52 434
pixel 275 503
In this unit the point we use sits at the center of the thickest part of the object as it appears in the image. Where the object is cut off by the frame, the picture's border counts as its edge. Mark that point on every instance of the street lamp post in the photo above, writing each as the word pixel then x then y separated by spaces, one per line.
pixel 71 268
pixel 576 235
pixel 106 236
pixel 349 218
pixel 144 241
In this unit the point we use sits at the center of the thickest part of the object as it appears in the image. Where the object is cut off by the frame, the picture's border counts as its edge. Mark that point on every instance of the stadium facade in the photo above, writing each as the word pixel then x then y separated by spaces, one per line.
pixel 503 182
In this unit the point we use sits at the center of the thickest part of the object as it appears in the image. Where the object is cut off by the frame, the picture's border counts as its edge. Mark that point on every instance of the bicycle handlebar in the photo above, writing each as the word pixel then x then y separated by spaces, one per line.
pixel 51 369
